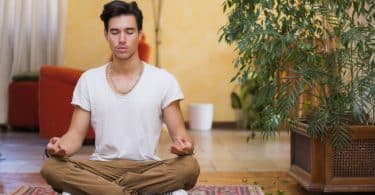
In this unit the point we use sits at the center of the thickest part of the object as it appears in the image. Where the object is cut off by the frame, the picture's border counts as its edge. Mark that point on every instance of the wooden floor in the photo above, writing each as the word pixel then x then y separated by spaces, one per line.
pixel 216 151
pixel 224 156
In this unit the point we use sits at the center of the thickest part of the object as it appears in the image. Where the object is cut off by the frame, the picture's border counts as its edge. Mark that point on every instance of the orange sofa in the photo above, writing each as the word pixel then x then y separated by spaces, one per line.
pixel 56 85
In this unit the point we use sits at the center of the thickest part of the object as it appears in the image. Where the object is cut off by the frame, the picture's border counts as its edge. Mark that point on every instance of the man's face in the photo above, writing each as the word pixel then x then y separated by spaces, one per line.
pixel 123 36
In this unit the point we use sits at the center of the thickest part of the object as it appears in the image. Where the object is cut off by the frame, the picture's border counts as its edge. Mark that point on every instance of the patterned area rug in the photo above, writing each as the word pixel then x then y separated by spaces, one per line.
pixel 34 190
pixel 197 190
pixel 226 190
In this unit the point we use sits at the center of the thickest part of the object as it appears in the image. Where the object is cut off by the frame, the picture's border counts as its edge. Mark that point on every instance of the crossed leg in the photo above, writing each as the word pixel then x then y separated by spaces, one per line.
pixel 120 176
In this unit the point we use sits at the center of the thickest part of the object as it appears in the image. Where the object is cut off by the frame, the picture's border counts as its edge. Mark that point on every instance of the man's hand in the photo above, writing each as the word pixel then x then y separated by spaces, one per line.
pixel 54 147
pixel 181 146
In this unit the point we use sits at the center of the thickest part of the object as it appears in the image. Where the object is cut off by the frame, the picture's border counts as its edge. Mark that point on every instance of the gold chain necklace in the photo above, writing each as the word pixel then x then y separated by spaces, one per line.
pixel 110 74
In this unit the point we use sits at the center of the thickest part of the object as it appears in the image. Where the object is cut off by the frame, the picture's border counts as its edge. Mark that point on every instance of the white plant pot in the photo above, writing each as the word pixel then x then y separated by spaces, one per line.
pixel 200 116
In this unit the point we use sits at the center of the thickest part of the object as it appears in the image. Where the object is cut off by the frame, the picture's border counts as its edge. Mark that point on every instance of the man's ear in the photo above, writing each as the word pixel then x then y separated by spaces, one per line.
pixel 140 35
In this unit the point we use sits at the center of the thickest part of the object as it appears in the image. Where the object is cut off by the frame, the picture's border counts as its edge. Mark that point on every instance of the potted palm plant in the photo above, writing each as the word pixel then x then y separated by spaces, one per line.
pixel 316 64
pixel 243 98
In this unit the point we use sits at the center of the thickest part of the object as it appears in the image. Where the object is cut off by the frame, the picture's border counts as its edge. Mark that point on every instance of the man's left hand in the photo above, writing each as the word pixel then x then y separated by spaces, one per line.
pixel 181 146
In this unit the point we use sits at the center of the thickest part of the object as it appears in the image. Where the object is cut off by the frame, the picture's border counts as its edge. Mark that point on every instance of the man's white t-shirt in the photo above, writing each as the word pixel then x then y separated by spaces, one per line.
pixel 126 126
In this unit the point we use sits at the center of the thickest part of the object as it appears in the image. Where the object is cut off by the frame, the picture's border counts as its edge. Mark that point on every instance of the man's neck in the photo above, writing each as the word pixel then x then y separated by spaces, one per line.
pixel 127 67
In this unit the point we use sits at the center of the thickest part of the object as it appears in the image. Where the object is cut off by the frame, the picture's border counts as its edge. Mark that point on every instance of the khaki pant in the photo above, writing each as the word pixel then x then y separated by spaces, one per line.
pixel 120 176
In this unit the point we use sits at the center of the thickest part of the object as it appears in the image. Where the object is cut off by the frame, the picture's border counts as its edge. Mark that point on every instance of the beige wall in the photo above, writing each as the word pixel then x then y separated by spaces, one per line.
pixel 190 48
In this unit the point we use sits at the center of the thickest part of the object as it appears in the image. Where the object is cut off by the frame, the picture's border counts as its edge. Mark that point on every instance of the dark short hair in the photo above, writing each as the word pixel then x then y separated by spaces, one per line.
pixel 118 8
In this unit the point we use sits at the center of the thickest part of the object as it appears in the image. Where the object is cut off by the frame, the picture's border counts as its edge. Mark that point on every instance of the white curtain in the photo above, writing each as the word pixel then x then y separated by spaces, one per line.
pixel 31 34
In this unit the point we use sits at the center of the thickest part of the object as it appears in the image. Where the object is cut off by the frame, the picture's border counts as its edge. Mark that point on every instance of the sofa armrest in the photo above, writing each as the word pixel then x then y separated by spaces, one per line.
pixel 62 74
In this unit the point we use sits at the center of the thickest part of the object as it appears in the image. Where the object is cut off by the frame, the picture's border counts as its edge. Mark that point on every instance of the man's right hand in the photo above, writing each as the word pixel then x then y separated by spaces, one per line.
pixel 54 147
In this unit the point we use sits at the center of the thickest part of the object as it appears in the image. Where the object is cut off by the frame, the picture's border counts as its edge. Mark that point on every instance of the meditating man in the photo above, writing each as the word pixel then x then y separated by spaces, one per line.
pixel 126 101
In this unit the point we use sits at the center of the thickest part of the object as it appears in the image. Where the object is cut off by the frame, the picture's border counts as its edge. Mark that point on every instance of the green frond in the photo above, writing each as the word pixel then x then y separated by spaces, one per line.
pixel 313 45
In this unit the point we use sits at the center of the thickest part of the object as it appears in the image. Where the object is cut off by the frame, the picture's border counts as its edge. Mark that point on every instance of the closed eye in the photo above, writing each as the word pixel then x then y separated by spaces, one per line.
pixel 129 31
pixel 114 31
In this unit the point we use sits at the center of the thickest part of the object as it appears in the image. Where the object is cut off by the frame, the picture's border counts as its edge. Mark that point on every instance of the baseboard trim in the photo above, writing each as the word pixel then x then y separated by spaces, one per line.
pixel 215 125
pixel 220 125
